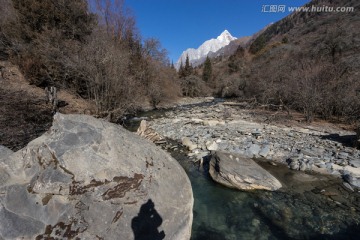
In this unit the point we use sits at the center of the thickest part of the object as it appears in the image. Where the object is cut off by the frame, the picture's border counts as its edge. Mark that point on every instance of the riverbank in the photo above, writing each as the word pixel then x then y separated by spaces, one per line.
pixel 313 203
pixel 323 148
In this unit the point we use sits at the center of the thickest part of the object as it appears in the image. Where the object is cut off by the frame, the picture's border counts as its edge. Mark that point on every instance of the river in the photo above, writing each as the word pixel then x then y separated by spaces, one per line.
pixel 309 206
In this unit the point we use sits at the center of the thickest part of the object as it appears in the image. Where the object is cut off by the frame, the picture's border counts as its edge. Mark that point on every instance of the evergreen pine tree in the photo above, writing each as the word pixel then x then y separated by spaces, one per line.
pixel 188 68
pixel 207 72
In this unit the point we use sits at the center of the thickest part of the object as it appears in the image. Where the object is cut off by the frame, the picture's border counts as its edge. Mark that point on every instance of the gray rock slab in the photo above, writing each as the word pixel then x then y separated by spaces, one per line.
pixel 89 179
pixel 236 171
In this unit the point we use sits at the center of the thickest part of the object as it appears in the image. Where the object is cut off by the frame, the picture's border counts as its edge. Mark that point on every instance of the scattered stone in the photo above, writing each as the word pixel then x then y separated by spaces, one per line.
pixel 211 123
pixel 355 163
pixel 211 146
pixel 138 119
pixel 265 150
pixel 272 163
pixel 303 166
pixel 197 121
pixel 294 164
pixel 189 144
pixel 326 159
pixel 322 165
pixel 343 155
pixel 256 133
pixel 309 152
pixel 290 134
pixel 329 165
pixel 348 186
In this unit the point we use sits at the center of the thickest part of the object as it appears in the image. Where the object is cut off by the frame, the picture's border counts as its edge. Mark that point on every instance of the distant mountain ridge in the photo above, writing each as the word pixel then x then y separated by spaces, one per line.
pixel 198 56
pixel 224 45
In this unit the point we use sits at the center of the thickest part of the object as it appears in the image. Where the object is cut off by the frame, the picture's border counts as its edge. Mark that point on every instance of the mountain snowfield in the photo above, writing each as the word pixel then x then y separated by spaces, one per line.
pixel 198 56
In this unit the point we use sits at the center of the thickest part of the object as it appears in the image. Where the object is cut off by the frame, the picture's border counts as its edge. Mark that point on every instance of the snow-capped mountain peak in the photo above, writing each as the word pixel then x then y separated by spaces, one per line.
pixel 225 36
pixel 198 56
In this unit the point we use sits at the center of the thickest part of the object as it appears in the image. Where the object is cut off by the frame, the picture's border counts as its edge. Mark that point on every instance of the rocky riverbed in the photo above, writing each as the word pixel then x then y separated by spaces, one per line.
pixel 309 205
pixel 227 128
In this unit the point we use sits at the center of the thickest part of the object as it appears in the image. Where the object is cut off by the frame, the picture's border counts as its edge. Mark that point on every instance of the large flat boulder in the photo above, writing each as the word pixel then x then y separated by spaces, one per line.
pixel 89 179
pixel 236 171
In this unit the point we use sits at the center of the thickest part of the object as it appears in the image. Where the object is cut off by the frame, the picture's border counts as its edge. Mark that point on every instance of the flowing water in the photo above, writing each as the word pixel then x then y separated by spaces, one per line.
pixel 309 206
pixel 299 211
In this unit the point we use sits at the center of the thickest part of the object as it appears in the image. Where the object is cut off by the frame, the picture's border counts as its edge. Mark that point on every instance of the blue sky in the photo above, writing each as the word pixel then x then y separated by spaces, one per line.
pixel 181 24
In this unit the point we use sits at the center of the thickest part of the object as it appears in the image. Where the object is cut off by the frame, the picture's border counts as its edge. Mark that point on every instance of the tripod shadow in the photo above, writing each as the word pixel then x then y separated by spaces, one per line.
pixel 145 224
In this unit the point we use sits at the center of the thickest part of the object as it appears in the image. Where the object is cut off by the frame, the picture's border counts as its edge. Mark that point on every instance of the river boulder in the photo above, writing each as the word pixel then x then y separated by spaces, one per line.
pixel 236 171
pixel 89 179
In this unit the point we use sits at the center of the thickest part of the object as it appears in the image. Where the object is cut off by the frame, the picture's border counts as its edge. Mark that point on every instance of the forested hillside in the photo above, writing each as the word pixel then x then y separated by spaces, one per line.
pixel 91 48
pixel 307 62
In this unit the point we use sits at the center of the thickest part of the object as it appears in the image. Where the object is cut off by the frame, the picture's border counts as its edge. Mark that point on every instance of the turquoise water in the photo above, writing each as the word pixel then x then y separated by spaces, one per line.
pixel 219 212
pixel 297 212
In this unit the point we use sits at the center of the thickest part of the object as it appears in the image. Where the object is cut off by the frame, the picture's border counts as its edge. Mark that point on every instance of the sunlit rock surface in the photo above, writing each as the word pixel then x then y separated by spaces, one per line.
pixel 90 179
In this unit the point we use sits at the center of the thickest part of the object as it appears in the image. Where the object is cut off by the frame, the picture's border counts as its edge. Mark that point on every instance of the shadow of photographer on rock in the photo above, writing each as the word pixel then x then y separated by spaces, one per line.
pixel 145 224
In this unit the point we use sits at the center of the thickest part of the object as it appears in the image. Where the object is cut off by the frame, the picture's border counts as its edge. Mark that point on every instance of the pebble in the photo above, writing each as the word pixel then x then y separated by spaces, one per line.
pixel 348 186
pixel 265 150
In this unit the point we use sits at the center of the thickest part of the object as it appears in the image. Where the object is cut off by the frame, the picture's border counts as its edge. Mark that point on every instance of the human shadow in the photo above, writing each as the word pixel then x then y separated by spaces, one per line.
pixel 145 224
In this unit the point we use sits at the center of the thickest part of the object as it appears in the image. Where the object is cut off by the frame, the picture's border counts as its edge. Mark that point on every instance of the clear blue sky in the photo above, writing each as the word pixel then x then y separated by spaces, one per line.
pixel 182 24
